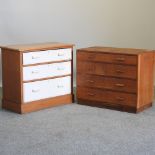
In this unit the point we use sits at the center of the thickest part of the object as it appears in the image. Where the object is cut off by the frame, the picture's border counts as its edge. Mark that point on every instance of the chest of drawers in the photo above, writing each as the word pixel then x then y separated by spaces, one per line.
pixel 37 76
pixel 115 78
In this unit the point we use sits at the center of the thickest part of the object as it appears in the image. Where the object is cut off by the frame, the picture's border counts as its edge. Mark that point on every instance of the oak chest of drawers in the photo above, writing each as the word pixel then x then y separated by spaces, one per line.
pixel 37 76
pixel 115 78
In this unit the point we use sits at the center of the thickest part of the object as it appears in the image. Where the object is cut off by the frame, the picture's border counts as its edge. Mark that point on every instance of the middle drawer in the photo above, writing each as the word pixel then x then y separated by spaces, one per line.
pixel 109 83
pixel 105 69
pixel 47 70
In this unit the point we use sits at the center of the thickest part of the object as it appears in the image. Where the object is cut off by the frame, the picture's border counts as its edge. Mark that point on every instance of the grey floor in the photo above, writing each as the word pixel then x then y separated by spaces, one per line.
pixel 77 130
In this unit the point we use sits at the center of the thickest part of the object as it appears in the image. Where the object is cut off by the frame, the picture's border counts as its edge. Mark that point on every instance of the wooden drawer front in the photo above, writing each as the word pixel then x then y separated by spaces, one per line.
pixel 48 70
pixel 109 83
pixel 47 88
pixel 109 58
pixel 104 69
pixel 106 96
pixel 46 56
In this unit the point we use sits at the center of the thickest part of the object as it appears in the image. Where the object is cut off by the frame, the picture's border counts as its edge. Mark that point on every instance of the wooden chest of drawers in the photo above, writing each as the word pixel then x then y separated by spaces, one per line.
pixel 115 78
pixel 37 76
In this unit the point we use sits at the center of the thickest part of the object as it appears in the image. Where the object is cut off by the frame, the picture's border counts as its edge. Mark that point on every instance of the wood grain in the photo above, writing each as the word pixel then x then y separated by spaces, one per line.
pixel 37 46
pixel 108 58
pixel 107 83
pixel 11 76
pixel 12 79
pixel 117 78
pixel 36 105
pixel 105 69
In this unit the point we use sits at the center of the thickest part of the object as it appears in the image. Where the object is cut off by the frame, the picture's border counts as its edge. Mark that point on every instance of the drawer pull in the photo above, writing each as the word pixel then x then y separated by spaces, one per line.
pixel 119 71
pixel 91 57
pixel 102 74
pixel 35 91
pixel 120 98
pixel 120 59
pixel 119 85
pixel 35 57
pixel 60 68
pixel 60 54
pixel 35 72
pixel 90 94
pixel 90 81
pixel 60 86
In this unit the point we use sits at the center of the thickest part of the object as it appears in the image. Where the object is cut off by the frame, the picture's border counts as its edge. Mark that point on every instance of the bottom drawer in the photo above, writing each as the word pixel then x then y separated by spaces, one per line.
pixel 106 96
pixel 47 88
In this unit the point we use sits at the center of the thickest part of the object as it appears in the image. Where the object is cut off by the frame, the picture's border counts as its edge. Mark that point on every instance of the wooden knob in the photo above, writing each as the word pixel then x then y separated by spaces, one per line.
pixel 120 98
pixel 119 71
pixel 90 81
pixel 120 59
pixel 119 85
pixel 91 94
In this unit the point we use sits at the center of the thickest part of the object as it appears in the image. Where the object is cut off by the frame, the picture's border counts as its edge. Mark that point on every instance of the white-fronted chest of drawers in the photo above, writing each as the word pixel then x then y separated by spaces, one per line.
pixel 37 76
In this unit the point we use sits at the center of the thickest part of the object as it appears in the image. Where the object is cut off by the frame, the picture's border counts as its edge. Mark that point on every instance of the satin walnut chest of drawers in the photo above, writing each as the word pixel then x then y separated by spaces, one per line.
pixel 37 76
pixel 115 78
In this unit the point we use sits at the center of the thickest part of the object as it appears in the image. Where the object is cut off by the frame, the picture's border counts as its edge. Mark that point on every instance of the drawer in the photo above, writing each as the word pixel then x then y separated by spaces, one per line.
pixel 106 96
pixel 47 70
pixel 47 56
pixel 109 83
pixel 35 91
pixel 104 69
pixel 47 88
pixel 109 58
pixel 61 86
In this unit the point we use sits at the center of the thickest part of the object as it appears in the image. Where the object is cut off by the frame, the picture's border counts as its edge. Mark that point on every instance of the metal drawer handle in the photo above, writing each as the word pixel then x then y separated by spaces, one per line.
pixel 35 91
pixel 91 57
pixel 60 86
pixel 102 74
pixel 60 68
pixel 35 72
pixel 120 59
pixel 120 98
pixel 91 81
pixel 60 54
pixel 90 94
pixel 119 85
pixel 119 71
pixel 35 57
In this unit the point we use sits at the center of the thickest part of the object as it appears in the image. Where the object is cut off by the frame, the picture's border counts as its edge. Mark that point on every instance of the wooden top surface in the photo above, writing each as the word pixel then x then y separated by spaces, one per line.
pixel 37 46
pixel 115 50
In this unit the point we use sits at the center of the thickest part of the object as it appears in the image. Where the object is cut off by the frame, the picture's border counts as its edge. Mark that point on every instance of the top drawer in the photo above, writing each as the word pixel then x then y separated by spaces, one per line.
pixel 47 56
pixel 109 58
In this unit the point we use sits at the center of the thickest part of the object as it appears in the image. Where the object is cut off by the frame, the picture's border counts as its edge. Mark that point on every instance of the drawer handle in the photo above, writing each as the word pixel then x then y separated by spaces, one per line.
pixel 120 59
pixel 119 85
pixel 60 68
pixel 90 81
pixel 35 72
pixel 102 74
pixel 35 57
pixel 90 94
pixel 91 57
pixel 120 98
pixel 60 54
pixel 35 91
pixel 60 86
pixel 119 71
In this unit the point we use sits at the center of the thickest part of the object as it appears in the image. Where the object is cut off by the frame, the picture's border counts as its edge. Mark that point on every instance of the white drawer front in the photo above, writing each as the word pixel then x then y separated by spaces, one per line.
pixel 48 70
pixel 58 69
pixel 35 57
pixel 47 88
pixel 61 86
pixel 35 90
pixel 46 56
